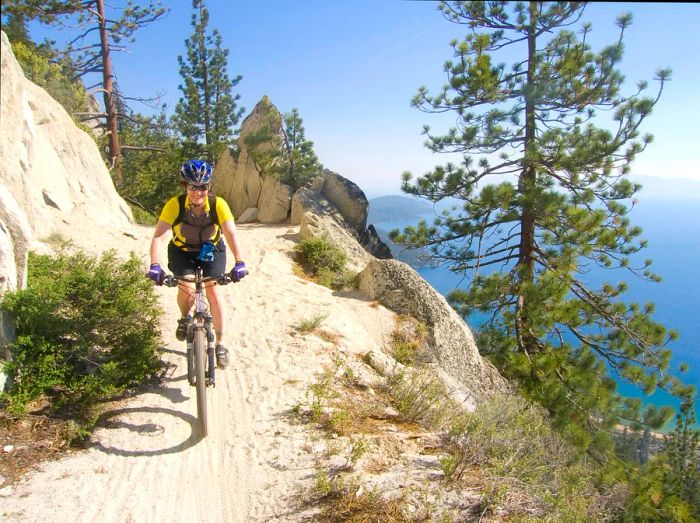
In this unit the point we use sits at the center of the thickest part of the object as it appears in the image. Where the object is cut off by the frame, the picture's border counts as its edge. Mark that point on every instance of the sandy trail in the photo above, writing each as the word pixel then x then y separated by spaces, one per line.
pixel 147 465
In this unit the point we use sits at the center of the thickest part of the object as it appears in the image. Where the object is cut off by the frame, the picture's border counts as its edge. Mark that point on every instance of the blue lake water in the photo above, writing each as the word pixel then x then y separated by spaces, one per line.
pixel 671 228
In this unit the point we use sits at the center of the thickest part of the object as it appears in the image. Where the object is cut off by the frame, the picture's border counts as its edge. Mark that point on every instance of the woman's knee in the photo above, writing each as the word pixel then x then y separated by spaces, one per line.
pixel 213 296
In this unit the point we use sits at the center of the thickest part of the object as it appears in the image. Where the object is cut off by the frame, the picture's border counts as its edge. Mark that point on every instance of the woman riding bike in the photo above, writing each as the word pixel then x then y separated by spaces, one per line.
pixel 197 222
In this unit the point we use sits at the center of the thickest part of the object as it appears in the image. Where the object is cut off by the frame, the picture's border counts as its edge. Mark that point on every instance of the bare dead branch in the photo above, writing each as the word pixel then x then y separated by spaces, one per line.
pixel 143 148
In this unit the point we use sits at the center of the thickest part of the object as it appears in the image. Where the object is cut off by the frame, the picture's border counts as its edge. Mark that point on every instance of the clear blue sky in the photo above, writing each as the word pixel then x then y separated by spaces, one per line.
pixel 352 67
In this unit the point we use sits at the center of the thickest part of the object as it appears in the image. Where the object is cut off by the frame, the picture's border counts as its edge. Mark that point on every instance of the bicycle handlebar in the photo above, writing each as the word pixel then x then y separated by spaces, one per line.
pixel 171 280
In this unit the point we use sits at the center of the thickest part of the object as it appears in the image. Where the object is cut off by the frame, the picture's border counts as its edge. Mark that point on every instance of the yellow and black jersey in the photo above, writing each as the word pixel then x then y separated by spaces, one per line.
pixel 190 231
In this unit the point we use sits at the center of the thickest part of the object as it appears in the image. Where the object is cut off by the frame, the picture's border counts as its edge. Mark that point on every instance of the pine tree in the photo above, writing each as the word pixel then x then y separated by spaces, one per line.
pixel 559 208
pixel 667 488
pixel 207 113
pixel 299 160
pixel 286 154
pixel 683 451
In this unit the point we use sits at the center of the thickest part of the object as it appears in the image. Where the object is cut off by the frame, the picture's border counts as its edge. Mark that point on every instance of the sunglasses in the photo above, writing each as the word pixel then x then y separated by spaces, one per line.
pixel 192 187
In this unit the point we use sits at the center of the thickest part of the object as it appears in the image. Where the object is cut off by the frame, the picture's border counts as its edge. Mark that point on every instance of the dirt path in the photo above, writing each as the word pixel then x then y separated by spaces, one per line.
pixel 146 464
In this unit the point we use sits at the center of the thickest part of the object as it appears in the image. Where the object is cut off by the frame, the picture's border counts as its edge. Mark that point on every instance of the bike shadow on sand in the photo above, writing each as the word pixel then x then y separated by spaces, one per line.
pixel 146 429
pixel 115 419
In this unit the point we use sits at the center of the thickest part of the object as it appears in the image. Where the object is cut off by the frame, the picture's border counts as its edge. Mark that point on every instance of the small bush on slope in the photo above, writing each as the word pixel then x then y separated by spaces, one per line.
pixel 325 262
pixel 86 328
pixel 321 253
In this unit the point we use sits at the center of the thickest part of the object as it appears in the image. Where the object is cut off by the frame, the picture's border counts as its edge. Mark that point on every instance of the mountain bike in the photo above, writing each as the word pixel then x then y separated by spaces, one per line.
pixel 201 360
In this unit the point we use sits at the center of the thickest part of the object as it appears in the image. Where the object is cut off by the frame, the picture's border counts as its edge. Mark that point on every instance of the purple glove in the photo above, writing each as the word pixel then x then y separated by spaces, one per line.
pixel 238 271
pixel 156 274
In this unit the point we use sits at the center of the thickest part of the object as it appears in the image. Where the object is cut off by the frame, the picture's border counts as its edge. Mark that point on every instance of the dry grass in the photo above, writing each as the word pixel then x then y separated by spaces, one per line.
pixel 328 336
pixel 350 503
pixel 504 461
pixel 408 339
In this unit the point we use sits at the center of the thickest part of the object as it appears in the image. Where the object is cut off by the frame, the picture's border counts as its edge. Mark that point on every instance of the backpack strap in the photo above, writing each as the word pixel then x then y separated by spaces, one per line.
pixel 181 209
pixel 212 210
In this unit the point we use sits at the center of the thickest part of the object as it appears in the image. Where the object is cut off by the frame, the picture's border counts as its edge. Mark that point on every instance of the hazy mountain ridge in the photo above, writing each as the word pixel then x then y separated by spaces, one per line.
pixel 396 208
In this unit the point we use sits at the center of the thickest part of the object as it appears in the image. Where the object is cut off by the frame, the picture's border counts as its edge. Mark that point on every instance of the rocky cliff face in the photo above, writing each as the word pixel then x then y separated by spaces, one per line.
pixel 49 168
pixel 451 345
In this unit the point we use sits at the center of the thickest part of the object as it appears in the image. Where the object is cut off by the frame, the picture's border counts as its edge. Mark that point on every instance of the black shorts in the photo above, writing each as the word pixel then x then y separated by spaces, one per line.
pixel 182 263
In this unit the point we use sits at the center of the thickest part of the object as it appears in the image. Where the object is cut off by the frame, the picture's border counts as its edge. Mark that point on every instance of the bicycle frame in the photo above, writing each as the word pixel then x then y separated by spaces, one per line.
pixel 201 320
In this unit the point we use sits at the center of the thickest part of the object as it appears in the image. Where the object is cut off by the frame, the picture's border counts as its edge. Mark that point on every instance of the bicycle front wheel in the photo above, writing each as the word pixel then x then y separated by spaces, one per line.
pixel 200 366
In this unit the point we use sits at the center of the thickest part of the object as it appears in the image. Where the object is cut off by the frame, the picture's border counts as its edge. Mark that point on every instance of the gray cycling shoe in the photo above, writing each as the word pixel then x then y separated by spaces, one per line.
pixel 221 357
pixel 182 323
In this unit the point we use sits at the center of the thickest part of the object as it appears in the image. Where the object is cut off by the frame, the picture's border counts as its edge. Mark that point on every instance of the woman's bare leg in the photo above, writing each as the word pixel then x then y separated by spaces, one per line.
pixel 217 312
pixel 185 298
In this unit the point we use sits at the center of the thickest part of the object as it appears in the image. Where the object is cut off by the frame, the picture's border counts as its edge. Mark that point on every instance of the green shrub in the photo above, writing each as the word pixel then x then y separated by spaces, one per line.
pixel 310 325
pixel 421 397
pixel 321 253
pixel 86 328
pixel 407 339
pixel 325 262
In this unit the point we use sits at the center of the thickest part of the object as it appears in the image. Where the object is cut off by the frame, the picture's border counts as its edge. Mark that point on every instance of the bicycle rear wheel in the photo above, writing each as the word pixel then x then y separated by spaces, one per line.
pixel 200 366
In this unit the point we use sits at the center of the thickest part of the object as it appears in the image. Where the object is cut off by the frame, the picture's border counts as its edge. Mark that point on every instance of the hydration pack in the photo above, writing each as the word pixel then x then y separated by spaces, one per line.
pixel 198 230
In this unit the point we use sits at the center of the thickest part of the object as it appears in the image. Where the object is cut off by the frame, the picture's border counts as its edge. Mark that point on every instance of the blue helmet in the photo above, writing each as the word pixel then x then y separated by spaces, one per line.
pixel 197 172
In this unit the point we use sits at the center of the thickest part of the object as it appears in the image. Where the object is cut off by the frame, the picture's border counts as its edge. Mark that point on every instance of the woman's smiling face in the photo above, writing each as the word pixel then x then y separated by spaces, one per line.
pixel 197 193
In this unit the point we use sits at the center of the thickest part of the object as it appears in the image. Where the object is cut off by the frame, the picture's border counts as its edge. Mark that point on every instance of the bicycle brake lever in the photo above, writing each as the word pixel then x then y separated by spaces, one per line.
pixel 224 280
pixel 170 281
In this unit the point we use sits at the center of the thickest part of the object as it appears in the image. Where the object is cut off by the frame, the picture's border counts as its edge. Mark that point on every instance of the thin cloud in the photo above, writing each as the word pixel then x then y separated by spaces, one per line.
pixel 403 44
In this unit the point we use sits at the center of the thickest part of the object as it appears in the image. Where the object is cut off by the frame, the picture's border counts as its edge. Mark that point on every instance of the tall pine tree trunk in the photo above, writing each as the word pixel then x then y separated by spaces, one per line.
pixel 527 186
pixel 208 135
pixel 110 105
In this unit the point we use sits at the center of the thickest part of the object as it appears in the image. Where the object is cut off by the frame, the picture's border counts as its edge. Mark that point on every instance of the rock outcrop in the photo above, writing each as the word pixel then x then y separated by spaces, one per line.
pixel 452 348
pixel 330 204
pixel 348 198
pixel 238 180
pixel 336 207
pixel 274 201
pixel 317 217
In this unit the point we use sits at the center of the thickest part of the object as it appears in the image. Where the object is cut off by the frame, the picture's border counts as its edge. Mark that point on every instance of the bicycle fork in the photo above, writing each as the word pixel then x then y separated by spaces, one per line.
pixel 211 356
pixel 210 372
